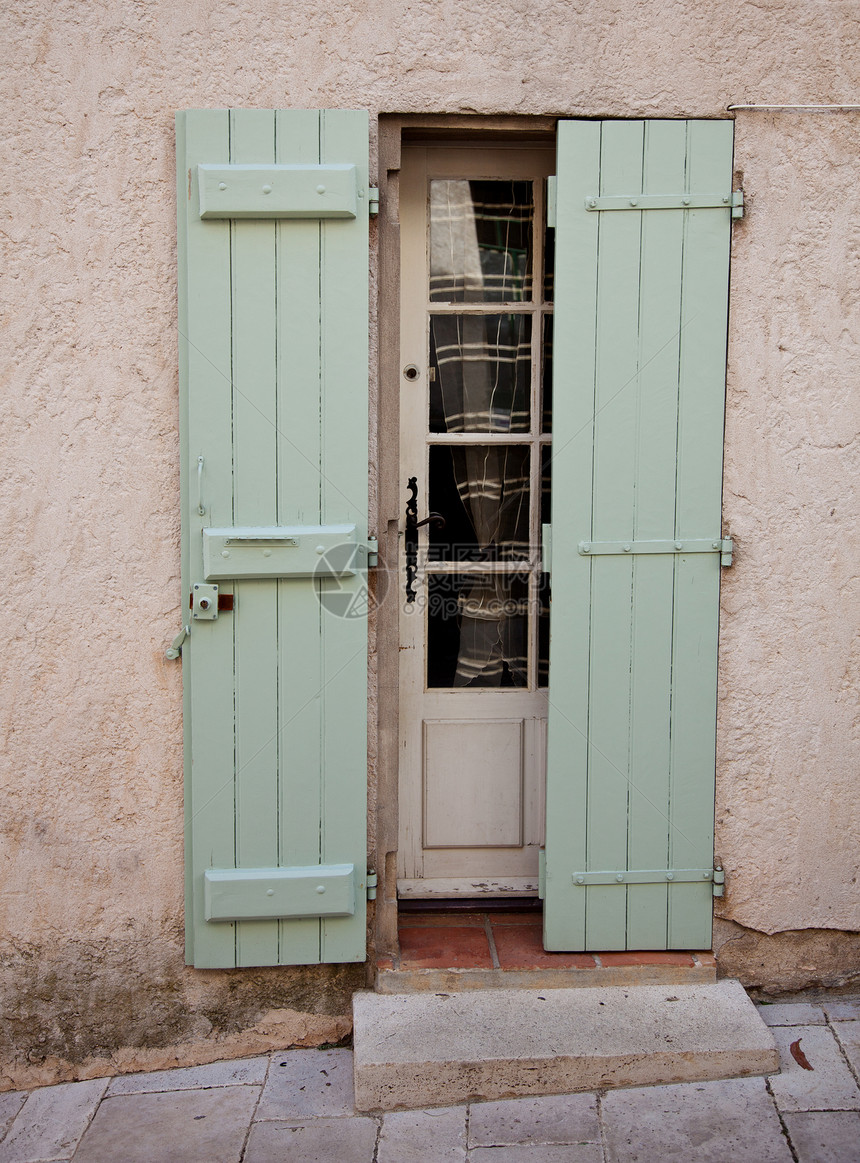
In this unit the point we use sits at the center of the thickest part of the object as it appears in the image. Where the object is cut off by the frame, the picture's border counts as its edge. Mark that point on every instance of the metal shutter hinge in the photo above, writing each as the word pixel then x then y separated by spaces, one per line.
pixel 644 876
pixel 371 884
pixel 373 200
pixel 733 201
pixel 722 545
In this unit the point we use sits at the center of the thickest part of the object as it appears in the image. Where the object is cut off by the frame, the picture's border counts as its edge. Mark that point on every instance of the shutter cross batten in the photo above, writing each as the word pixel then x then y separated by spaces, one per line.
pixel 279 191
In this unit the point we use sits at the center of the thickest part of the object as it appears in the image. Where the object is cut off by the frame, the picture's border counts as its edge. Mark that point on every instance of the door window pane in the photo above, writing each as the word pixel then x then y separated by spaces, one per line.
pixel 546 485
pixel 482 492
pixel 481 369
pixel 543 630
pixel 480 241
pixel 546 384
pixel 477 630
pixel 548 264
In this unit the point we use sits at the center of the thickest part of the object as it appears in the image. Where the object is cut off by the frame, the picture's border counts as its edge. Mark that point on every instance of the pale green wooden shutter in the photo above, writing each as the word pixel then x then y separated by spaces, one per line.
pixel 639 383
pixel 273 354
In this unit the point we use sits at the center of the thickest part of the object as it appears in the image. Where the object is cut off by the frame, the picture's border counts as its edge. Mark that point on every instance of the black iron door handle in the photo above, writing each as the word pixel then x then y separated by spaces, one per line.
pixel 434 519
pixel 411 538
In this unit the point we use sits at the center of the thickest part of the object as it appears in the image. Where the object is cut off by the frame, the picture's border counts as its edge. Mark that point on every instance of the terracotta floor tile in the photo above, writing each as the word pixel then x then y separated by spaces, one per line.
pixel 646 958
pixel 520 947
pixel 444 947
pixel 448 920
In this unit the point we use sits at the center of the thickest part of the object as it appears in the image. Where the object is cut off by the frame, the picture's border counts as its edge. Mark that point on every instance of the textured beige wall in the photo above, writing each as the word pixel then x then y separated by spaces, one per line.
pixel 91 901
pixel 789 742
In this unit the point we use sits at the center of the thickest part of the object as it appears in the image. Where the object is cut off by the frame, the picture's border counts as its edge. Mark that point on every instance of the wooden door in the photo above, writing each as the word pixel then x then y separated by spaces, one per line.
pixel 476 333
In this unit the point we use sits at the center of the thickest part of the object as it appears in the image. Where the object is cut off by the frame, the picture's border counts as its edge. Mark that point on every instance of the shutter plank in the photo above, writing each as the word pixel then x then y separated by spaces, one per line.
pixel 613 517
pixel 254 298
pixel 657 414
pixel 207 381
pixel 700 449
pixel 300 722
pixel 572 455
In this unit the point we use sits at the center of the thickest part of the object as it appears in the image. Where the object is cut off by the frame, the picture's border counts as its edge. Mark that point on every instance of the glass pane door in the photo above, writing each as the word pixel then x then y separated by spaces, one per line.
pixel 476 332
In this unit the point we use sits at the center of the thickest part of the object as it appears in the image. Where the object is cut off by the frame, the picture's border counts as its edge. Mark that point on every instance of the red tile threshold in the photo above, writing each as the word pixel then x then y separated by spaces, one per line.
pixel 521 947
pixel 444 947
pixel 506 941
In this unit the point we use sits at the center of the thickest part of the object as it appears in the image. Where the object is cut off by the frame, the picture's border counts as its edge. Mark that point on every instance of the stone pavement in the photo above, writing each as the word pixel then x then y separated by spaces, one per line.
pixel 297 1107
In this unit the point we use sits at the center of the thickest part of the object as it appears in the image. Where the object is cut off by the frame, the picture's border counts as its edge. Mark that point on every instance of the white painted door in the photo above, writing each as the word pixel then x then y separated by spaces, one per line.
pixel 476 337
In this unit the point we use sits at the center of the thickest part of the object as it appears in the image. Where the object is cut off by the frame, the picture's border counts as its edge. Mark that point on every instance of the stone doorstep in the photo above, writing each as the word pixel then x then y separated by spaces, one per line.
pixel 435 1049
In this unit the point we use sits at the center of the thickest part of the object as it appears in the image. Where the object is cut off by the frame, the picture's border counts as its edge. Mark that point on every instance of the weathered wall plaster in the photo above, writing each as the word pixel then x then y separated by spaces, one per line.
pixel 91 901
pixel 789 962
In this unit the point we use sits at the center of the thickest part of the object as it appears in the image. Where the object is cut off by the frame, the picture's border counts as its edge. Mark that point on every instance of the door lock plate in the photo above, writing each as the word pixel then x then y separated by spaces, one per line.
pixel 204 602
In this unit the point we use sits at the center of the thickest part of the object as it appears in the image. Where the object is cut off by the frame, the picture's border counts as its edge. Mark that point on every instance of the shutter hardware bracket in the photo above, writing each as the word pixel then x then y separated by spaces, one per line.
pixel 174 650
pixel 722 545
pixel 373 200
pixel 733 201
pixel 715 875
pixel 206 602
pixel 371 884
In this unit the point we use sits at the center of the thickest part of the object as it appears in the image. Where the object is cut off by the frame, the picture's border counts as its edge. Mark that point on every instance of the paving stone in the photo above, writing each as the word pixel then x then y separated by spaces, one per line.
pixel 848 1036
pixel 842 1011
pixel 189 1126
pixel 308 1083
pixel 10 1103
pixel 424 1136
pixel 792 1014
pixel 51 1122
pixel 710 1122
pixel 242 1072
pixel 581 1153
pixel 827 1086
pixel 568 1118
pixel 825 1136
pixel 349 1140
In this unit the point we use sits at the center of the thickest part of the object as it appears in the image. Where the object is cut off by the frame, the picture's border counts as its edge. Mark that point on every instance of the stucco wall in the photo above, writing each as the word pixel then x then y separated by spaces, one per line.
pixel 789 740
pixel 91 901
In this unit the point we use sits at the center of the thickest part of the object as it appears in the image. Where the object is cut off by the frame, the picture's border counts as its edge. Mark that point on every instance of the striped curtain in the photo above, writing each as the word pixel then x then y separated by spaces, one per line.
pixel 482 367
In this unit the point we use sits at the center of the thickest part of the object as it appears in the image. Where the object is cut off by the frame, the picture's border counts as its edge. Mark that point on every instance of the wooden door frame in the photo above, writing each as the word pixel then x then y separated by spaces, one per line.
pixel 383 805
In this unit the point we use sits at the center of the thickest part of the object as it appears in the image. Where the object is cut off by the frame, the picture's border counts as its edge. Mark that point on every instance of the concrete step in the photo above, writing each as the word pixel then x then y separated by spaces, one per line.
pixel 413 980
pixel 418 1050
